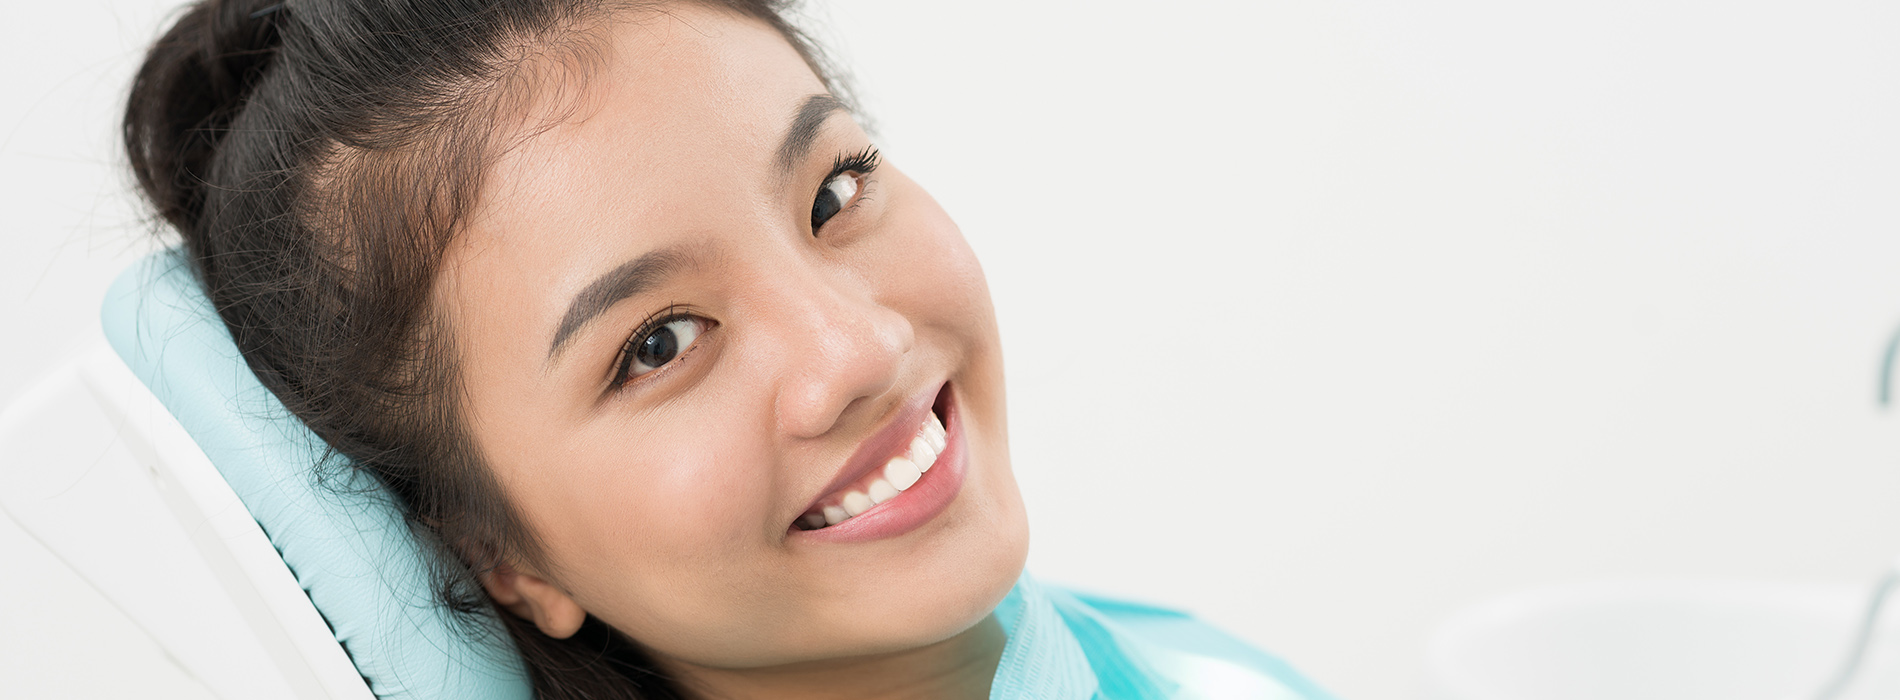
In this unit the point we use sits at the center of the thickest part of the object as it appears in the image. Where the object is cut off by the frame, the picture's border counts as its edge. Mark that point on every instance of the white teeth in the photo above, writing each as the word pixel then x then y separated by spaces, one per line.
pixel 933 429
pixel 901 473
pixel 922 453
pixel 856 502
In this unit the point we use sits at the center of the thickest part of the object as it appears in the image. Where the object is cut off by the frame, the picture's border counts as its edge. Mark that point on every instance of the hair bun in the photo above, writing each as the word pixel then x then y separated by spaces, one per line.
pixel 194 82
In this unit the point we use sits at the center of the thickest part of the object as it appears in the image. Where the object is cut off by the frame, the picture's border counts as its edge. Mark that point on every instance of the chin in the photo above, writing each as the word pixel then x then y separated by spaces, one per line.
pixel 979 567
pixel 920 618
pixel 959 579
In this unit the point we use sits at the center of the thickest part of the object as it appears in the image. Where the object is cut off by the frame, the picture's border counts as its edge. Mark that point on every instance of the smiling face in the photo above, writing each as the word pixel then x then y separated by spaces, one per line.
pixel 692 316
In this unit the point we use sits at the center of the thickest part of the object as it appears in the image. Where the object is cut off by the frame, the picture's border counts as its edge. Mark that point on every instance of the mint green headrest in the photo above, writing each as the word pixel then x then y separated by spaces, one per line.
pixel 344 541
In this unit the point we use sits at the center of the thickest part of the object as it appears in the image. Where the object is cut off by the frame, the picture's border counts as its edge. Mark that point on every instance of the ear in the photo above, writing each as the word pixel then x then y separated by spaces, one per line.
pixel 535 599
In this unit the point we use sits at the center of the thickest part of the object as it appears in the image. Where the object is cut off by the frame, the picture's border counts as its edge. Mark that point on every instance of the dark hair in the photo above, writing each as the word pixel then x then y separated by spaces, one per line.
pixel 317 156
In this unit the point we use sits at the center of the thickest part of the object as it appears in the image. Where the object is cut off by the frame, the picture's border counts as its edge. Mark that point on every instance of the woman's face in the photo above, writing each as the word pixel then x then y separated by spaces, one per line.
pixel 692 318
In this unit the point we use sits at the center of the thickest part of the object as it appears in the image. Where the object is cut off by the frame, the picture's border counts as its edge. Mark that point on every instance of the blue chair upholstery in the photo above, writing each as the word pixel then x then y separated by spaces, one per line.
pixel 343 539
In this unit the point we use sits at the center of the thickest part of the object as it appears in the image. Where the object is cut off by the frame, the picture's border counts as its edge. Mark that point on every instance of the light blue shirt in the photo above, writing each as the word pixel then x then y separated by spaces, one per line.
pixel 1071 646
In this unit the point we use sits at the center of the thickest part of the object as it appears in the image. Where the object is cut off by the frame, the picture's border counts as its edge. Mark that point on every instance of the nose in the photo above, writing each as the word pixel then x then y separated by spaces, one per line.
pixel 841 350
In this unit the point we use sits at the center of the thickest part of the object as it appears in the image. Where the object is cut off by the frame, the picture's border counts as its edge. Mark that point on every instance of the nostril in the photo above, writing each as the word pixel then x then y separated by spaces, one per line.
pixel 818 395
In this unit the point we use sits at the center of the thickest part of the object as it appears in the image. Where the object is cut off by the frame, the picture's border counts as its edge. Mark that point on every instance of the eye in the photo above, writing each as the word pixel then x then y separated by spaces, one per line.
pixel 845 182
pixel 836 193
pixel 657 345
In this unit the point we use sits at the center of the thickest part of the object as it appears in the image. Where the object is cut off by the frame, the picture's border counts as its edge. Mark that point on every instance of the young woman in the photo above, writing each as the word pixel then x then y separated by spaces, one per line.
pixel 694 387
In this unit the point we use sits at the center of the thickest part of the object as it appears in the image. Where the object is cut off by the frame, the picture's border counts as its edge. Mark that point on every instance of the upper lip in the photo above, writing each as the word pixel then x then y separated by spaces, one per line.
pixel 889 441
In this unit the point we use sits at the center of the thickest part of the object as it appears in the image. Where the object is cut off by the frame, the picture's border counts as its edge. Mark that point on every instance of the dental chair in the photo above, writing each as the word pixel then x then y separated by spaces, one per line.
pixel 159 469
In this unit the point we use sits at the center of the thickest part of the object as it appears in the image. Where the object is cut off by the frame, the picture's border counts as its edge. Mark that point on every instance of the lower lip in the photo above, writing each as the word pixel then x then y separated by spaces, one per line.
pixel 914 506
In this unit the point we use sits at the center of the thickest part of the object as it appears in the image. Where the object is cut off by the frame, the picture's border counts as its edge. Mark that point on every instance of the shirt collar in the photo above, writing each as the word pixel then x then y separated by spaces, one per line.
pixel 1060 649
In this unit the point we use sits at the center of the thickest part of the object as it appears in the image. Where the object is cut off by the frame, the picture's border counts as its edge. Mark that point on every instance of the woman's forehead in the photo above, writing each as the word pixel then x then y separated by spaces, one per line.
pixel 679 127
pixel 677 108
pixel 662 86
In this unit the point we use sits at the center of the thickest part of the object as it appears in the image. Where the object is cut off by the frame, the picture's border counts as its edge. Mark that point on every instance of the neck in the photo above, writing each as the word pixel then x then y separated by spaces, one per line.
pixel 958 668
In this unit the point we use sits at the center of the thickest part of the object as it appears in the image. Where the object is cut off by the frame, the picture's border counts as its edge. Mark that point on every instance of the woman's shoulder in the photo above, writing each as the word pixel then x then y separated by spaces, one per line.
pixel 1193 652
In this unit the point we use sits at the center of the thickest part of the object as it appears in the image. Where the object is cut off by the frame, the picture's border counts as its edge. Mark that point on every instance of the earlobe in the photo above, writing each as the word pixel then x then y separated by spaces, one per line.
pixel 535 599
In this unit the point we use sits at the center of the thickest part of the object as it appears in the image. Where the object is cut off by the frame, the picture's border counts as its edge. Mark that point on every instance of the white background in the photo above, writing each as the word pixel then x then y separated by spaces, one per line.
pixel 1322 319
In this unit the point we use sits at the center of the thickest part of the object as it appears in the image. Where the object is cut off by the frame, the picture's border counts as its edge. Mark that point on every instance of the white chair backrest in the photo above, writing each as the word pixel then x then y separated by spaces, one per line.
pixel 166 475
pixel 106 478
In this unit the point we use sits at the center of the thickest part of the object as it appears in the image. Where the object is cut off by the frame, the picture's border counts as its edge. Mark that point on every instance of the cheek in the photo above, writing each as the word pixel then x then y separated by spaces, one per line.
pixel 646 507
pixel 929 271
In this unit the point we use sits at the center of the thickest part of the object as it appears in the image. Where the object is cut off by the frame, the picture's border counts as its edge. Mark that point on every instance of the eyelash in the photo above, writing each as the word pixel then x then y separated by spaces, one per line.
pixel 624 362
pixel 863 162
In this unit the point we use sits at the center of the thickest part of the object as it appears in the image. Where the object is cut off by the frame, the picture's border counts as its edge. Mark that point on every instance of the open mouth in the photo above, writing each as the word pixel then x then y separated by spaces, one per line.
pixel 898 474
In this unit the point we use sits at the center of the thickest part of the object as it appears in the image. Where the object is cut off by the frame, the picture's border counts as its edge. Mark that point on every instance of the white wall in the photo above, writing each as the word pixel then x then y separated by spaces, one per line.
pixel 69 225
pixel 1323 319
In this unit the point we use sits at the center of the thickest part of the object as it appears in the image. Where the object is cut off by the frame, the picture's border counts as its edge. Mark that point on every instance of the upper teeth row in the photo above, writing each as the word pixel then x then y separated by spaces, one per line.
pixel 899 474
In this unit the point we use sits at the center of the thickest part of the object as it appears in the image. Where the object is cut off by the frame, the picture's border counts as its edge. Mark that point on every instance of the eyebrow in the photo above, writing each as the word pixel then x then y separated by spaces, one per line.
pixel 629 279
pixel 650 270
pixel 811 117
